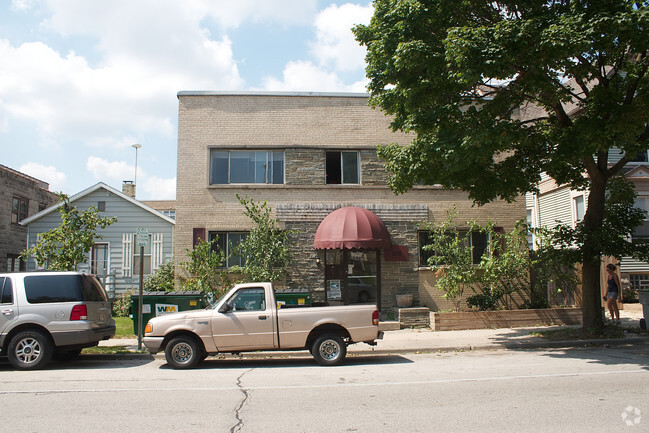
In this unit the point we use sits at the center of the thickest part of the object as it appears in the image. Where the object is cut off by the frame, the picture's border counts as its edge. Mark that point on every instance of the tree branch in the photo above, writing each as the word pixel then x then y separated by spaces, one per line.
pixel 634 86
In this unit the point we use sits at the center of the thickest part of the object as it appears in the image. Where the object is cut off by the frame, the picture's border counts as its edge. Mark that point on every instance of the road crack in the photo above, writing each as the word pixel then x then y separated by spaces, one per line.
pixel 237 410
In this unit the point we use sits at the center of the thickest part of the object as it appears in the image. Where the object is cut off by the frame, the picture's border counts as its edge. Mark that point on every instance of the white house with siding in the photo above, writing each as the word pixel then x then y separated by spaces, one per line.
pixel 115 256
pixel 558 203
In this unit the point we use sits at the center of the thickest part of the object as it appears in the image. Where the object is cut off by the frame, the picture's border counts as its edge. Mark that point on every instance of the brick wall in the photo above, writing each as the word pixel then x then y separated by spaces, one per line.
pixel 13 237
pixel 304 126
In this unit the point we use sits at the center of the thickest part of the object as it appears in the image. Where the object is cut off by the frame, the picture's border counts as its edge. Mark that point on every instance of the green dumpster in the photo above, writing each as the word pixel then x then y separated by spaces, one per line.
pixel 159 303
pixel 292 298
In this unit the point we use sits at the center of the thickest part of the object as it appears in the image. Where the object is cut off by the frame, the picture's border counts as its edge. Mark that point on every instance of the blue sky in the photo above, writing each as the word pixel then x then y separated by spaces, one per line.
pixel 83 80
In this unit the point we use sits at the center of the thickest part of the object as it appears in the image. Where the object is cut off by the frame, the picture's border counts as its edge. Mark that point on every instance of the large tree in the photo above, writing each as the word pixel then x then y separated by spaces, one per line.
pixel 498 92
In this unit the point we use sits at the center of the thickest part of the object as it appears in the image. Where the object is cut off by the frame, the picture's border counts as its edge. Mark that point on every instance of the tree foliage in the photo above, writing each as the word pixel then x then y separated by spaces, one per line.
pixel 266 249
pixel 205 272
pixel 505 268
pixel 162 279
pixel 66 246
pixel 499 92
pixel 450 258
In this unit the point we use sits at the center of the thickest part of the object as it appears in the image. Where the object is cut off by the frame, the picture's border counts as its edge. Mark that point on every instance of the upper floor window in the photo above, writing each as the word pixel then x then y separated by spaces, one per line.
pixel 642 202
pixel 641 157
pixel 169 213
pixel 19 209
pixel 579 206
pixel 246 166
pixel 342 168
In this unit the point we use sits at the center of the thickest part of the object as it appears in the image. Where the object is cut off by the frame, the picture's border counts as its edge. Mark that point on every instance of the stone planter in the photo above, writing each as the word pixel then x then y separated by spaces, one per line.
pixel 404 301
pixel 506 319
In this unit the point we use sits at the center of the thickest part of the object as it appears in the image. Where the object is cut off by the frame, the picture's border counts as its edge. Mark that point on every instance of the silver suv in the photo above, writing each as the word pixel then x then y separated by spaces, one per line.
pixel 46 314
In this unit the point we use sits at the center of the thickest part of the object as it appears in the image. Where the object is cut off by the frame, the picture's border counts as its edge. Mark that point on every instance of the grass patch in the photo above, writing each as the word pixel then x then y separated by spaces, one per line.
pixel 568 334
pixel 124 327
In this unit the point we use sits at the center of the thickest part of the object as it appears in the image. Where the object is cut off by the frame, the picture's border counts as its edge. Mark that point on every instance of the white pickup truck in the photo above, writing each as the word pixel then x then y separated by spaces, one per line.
pixel 248 319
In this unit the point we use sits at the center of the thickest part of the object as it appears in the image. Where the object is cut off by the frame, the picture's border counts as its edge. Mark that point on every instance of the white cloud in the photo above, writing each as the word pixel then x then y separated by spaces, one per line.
pixel 304 76
pixel 46 173
pixel 307 77
pixel 157 188
pixel 128 84
pixel 335 44
pixel 335 51
pixel 106 171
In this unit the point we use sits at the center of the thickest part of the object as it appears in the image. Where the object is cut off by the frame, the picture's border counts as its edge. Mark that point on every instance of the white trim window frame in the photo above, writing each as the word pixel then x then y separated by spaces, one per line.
pixel 578 205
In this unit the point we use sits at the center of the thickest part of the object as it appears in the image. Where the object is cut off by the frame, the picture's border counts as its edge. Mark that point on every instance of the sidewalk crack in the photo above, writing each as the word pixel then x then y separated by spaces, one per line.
pixel 237 410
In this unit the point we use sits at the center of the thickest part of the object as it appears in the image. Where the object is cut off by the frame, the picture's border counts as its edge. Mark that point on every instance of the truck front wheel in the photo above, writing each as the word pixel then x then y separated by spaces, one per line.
pixel 183 352
pixel 329 349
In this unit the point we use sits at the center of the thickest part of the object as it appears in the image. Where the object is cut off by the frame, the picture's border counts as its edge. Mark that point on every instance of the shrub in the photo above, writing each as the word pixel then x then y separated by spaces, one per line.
pixel 122 304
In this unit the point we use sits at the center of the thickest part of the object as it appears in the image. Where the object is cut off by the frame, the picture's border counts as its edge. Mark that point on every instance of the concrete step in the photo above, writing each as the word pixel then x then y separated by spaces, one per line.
pixel 389 326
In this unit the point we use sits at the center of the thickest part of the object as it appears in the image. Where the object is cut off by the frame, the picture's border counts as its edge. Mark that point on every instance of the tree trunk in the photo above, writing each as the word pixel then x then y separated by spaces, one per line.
pixel 591 290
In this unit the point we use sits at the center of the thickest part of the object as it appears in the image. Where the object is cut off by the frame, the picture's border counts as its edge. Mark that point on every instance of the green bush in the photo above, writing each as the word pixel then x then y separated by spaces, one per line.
pixel 122 304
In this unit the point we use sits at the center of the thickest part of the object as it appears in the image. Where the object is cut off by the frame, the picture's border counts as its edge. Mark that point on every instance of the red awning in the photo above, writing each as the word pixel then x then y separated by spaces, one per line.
pixel 351 227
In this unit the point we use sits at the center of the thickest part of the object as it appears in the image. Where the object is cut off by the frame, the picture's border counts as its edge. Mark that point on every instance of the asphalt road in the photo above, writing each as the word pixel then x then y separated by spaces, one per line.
pixel 577 390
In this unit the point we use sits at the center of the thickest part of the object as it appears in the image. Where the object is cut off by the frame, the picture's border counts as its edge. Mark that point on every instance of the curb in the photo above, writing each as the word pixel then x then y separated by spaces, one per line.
pixel 564 344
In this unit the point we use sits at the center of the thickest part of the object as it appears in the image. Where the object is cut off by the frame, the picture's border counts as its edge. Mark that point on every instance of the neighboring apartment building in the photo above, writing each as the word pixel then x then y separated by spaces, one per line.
pixel 312 157
pixel 556 204
pixel 115 257
pixel 20 197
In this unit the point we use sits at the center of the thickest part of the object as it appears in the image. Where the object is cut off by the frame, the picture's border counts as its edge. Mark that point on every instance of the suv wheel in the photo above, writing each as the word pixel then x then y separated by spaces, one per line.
pixel 29 349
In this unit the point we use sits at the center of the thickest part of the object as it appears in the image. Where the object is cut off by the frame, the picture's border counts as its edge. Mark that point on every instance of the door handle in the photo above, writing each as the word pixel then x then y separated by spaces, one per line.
pixel 263 317
pixel 7 311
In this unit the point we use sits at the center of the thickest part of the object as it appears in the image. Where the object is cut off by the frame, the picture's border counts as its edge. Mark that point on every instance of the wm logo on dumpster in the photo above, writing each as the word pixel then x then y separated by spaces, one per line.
pixel 162 309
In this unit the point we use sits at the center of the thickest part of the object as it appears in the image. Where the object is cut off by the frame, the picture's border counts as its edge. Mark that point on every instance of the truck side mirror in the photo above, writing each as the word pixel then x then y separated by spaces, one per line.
pixel 225 308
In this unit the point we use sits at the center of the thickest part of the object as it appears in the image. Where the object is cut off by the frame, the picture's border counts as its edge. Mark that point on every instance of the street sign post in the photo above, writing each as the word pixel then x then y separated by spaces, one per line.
pixel 142 241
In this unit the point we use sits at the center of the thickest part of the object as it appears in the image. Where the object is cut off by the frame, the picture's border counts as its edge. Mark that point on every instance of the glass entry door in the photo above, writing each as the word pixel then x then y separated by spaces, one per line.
pixel 352 277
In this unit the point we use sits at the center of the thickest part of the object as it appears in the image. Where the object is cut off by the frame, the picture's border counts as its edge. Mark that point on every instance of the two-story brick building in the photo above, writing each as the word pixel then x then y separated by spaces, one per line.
pixel 312 156
pixel 21 196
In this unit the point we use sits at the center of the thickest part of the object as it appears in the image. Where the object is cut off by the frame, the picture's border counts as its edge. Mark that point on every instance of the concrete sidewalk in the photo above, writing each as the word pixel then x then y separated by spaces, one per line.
pixel 425 340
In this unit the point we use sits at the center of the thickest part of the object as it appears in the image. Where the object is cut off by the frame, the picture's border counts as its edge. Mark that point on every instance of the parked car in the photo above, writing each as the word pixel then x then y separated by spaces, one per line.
pixel 46 314
pixel 248 318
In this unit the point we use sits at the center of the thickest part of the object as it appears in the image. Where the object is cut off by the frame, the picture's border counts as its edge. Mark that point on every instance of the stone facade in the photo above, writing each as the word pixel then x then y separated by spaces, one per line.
pixel 13 236
pixel 304 126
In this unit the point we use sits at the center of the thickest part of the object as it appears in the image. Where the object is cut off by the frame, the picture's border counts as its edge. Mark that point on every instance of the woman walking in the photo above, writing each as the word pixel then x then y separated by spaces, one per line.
pixel 613 293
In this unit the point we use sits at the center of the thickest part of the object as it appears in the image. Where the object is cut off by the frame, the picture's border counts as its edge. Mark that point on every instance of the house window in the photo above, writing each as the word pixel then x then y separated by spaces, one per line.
pixel 169 213
pixel 228 242
pixel 101 206
pixel 146 257
pixel 15 263
pixel 579 207
pixel 641 157
pixel 246 166
pixel 342 168
pixel 642 202
pixel 530 224
pixel 19 209
pixel 639 281
pixel 477 241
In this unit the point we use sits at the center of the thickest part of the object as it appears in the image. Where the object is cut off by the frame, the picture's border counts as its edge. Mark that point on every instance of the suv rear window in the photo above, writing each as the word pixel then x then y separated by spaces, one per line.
pixel 6 293
pixel 41 289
